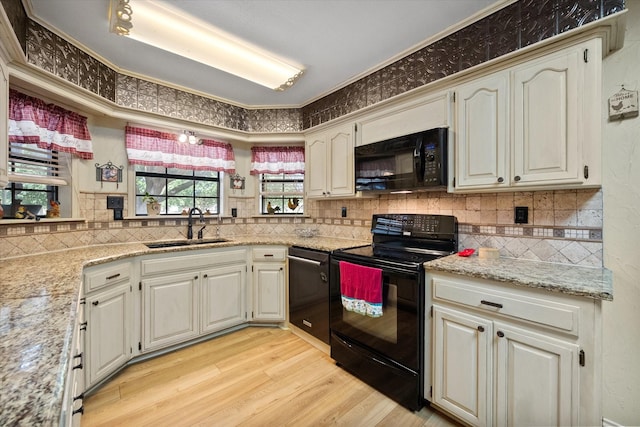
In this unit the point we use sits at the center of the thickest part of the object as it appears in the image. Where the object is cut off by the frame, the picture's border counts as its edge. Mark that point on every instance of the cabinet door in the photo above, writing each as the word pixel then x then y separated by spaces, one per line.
pixel 462 365
pixel 223 298
pixel 341 175
pixel 536 379
pixel 268 297
pixel 482 130
pixel 547 104
pixel 107 338
pixel 170 307
pixel 316 166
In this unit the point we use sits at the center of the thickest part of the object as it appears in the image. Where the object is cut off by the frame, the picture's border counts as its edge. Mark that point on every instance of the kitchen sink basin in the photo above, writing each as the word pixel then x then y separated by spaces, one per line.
pixel 174 243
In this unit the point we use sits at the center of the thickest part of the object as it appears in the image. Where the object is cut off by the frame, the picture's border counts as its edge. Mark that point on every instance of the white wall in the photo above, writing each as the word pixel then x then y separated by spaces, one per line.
pixel 621 234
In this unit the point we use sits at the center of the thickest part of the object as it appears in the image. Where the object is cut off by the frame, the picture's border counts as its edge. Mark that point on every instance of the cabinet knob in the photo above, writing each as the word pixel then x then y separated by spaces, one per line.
pixel 481 328
pixel 205 275
pixel 195 277
pixel 95 303
pixel 516 178
pixel 500 334
pixel 500 179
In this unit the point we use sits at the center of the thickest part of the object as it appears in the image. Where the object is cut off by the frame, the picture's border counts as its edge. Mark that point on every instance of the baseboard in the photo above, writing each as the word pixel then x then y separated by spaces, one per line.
pixel 320 345
pixel 609 423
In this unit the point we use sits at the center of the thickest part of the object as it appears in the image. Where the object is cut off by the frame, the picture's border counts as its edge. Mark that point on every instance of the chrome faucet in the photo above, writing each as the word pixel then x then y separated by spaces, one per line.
pixel 190 224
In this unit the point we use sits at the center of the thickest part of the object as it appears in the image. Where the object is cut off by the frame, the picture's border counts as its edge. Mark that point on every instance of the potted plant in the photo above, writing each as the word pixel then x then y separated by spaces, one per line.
pixel 153 206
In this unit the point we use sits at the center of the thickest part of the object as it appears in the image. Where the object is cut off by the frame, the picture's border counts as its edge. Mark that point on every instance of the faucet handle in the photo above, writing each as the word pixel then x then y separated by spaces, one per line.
pixel 200 232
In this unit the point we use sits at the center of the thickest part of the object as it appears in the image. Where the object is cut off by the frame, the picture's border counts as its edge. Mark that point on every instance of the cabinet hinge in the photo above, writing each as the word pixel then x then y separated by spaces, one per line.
pixel 130 350
pixel 356 128
pixel 130 288
pixel 431 391
pixel 453 98
pixel 585 55
pixel 140 345
pixel 454 182
pixel 252 268
pixel 586 172
pixel 431 311
pixel 139 286
pixel 581 357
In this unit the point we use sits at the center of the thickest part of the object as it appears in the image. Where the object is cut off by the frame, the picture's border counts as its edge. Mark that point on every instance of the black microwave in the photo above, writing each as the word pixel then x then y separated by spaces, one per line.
pixel 406 163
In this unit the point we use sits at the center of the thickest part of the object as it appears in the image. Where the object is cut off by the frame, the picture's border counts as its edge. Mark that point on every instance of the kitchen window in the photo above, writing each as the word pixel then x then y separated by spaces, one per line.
pixel 280 172
pixel 178 175
pixel 44 141
pixel 177 190
pixel 35 175
pixel 281 193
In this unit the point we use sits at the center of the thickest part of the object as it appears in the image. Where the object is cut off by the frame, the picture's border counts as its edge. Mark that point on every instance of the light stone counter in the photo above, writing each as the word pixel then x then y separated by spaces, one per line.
pixel 38 299
pixel 565 278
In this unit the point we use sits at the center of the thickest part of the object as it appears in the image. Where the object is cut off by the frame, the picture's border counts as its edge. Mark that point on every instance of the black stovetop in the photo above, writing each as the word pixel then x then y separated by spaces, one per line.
pixel 405 240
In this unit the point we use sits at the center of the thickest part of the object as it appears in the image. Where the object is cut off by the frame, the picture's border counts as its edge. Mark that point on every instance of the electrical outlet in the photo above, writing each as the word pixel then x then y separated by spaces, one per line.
pixel 521 214
pixel 115 202
pixel 344 212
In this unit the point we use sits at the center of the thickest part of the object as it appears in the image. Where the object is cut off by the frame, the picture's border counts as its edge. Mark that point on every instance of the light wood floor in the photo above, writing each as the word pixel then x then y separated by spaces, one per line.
pixel 253 377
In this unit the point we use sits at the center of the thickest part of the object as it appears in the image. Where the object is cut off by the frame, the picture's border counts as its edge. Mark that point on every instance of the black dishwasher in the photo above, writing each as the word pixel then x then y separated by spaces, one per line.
pixel 309 291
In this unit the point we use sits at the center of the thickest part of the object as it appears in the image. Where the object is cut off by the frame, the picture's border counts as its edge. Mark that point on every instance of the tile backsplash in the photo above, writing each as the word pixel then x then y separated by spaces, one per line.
pixel 564 226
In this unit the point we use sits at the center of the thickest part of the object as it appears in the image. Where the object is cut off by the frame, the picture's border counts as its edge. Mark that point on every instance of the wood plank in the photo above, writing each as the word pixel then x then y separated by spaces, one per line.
pixel 253 377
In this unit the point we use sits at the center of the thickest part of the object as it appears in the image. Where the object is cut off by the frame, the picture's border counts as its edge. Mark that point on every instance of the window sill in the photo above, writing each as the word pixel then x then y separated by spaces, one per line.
pixel 41 221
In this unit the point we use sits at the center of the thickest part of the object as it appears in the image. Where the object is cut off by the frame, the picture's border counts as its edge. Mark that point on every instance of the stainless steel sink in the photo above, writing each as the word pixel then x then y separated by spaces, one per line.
pixel 174 243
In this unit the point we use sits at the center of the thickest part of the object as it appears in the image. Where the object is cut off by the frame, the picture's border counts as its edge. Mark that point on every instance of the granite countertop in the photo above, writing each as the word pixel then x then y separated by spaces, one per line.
pixel 589 282
pixel 38 299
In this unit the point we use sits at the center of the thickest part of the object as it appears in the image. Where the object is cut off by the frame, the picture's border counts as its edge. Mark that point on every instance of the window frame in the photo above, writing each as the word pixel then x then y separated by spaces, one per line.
pixel 134 195
pixel 263 196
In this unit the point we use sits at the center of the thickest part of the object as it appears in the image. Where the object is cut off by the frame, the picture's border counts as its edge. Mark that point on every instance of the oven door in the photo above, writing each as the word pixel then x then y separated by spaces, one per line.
pixel 397 334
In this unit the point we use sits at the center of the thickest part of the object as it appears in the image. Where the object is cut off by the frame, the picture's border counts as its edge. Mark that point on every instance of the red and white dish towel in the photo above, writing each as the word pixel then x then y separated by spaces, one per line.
pixel 361 289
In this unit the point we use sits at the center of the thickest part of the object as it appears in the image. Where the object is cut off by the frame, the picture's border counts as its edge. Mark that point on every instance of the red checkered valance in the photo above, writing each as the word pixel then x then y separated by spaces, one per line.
pixel 33 121
pixel 155 148
pixel 275 160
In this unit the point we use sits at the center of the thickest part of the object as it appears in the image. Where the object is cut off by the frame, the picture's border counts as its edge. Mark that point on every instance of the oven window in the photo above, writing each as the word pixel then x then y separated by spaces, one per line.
pixel 384 327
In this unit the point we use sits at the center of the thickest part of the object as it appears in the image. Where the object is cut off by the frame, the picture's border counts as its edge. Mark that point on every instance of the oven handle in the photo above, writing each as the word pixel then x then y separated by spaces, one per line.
pixel 310 261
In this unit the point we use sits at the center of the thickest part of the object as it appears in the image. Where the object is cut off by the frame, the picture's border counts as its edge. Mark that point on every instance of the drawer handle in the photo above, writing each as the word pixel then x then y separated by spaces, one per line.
pixel 113 276
pixel 500 334
pixel 79 397
pixel 268 255
pixel 80 410
pixel 492 304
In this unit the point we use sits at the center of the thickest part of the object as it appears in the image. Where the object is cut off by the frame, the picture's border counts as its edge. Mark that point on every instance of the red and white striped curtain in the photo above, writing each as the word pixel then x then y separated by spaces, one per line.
pixel 32 121
pixel 154 148
pixel 275 160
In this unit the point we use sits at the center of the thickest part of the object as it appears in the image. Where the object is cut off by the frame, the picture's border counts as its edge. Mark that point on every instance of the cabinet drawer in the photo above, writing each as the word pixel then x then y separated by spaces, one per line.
pixel 508 303
pixel 189 262
pixel 269 254
pixel 98 277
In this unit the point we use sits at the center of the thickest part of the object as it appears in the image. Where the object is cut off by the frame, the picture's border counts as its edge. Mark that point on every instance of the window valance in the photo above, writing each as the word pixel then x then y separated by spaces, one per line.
pixel 155 148
pixel 275 160
pixel 32 121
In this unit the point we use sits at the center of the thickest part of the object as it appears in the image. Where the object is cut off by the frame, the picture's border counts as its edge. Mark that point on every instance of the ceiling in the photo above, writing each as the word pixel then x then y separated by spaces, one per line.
pixel 337 41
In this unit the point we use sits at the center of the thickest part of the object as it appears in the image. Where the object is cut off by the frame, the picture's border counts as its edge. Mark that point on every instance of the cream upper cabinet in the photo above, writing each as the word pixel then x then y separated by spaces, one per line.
pixel 481 158
pixel 533 126
pixel 329 162
pixel 4 116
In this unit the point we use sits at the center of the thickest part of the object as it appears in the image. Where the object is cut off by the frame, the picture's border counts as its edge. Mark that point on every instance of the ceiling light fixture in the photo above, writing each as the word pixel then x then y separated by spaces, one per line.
pixel 158 24
pixel 190 137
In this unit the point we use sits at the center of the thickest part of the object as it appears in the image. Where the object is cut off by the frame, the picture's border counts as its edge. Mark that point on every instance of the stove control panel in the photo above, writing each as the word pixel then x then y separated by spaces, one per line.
pixel 410 225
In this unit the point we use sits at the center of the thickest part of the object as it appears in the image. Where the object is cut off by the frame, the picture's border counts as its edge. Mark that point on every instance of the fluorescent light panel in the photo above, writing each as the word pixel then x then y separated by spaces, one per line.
pixel 158 24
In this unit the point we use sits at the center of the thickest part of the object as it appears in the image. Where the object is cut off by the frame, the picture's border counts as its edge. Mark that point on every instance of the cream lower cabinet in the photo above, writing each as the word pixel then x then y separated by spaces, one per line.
pixel 269 285
pixel 108 320
pixel 185 296
pixel 506 356
pixel 223 298
pixel 4 116
pixel 73 406
pixel 329 162
pixel 170 309
pixel 532 126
